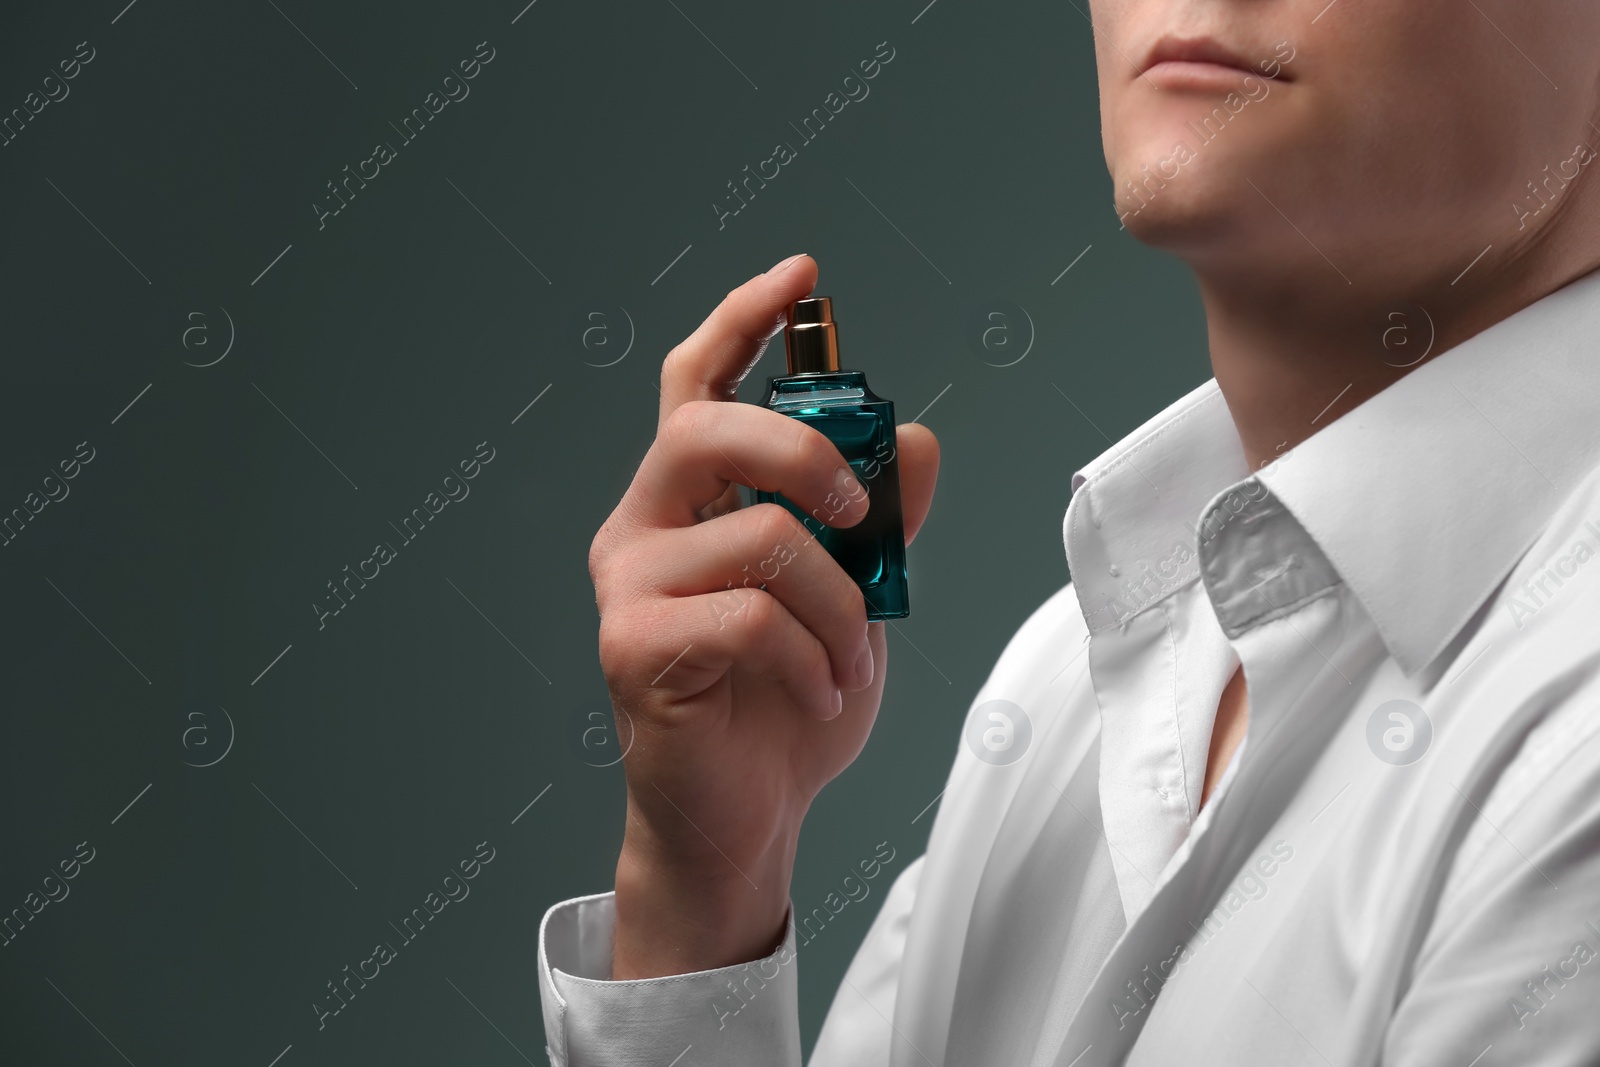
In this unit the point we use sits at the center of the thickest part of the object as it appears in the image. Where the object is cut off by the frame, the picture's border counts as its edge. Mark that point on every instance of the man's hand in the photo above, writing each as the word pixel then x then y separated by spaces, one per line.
pixel 743 701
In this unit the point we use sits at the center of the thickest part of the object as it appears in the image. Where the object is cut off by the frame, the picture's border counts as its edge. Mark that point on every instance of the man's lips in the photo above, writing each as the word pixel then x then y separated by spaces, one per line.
pixel 1195 61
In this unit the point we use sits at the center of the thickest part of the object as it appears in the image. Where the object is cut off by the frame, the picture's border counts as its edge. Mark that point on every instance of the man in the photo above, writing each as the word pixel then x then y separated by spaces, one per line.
pixel 1313 770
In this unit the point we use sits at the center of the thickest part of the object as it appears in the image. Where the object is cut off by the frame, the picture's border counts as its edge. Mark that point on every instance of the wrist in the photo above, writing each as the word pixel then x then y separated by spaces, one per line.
pixel 676 916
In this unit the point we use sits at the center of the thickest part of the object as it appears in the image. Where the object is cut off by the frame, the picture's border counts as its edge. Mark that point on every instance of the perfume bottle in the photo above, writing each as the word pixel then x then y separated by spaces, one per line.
pixel 861 425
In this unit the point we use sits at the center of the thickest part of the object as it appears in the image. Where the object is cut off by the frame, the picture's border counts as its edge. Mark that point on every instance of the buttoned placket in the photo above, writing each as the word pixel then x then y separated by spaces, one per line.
pixel 1289 619
pixel 1157 696
pixel 1158 662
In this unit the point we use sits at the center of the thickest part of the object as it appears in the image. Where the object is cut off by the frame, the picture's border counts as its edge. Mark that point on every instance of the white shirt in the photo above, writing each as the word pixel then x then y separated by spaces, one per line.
pixel 1401 865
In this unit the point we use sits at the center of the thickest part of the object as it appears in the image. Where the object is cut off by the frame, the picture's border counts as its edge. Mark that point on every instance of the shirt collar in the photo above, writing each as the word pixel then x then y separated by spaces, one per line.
pixel 1131 527
pixel 1423 497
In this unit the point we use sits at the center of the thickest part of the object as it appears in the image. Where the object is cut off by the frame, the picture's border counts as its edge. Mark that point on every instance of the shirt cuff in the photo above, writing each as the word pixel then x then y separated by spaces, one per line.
pixel 744 1014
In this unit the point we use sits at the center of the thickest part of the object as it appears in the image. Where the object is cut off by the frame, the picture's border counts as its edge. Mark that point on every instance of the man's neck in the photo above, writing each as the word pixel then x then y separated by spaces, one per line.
pixel 1290 354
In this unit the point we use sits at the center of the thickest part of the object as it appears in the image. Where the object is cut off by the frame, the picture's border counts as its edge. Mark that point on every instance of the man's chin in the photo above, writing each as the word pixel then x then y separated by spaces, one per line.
pixel 1181 220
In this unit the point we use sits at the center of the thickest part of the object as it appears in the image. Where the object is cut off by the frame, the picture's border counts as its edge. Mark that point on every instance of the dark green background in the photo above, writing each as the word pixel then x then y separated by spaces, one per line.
pixel 189 552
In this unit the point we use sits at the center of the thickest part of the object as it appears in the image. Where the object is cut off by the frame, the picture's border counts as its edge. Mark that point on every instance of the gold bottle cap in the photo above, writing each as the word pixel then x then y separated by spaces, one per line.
pixel 810 338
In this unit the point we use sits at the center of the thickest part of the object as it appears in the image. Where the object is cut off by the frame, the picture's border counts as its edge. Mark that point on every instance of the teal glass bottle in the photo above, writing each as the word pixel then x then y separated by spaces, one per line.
pixel 841 405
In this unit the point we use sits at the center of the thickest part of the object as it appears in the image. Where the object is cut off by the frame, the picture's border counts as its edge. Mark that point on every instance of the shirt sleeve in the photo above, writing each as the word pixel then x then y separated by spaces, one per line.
pixel 744 1014
pixel 1509 971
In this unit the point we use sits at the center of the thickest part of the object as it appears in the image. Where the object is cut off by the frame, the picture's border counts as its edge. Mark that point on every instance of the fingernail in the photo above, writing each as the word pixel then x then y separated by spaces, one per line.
pixel 864 668
pixel 838 703
pixel 785 264
pixel 845 484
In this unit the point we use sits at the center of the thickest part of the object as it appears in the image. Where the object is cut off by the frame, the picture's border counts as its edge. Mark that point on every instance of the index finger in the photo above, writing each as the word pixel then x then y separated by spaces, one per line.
pixel 710 363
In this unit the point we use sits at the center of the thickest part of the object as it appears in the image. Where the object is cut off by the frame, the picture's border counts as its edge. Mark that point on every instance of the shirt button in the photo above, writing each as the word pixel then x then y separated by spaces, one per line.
pixel 1162 793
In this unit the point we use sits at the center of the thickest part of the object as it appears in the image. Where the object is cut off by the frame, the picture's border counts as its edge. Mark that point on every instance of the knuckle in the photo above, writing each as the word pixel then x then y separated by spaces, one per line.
pixel 636 574
pixel 617 644
pixel 632 638
pixel 613 558
pixel 773 525
pixel 599 554
pixel 761 618
pixel 671 363
pixel 684 421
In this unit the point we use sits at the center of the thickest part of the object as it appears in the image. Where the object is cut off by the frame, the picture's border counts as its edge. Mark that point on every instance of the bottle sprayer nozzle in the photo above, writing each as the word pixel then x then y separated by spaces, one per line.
pixel 810 338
